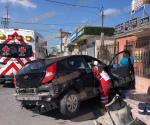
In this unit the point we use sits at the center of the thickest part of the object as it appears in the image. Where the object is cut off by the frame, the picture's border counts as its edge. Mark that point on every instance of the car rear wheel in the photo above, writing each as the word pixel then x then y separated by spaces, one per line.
pixel 69 104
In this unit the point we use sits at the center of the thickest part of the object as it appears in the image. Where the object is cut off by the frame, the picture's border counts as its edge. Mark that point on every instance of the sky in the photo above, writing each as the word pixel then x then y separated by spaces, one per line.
pixel 49 16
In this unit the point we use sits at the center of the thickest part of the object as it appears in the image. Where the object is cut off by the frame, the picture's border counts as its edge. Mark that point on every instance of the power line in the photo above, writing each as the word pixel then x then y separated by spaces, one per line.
pixel 50 30
pixel 74 5
pixel 58 24
pixel 52 24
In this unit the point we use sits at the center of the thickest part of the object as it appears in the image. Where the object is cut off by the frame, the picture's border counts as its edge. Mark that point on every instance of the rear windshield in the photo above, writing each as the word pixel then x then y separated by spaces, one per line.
pixel 37 65
pixel 15 50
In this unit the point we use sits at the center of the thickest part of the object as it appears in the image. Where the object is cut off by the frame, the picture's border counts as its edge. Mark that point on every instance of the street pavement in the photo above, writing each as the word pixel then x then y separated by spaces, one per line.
pixel 133 101
pixel 12 114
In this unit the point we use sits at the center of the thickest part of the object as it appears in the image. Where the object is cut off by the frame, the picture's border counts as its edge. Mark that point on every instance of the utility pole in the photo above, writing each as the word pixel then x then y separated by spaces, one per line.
pixel 102 17
pixel 102 32
pixel 61 41
pixel 101 45
pixel 5 20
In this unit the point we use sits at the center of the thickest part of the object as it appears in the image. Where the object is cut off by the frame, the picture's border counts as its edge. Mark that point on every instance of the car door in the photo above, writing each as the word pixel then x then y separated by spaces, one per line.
pixel 77 64
pixel 71 71
pixel 91 86
pixel 68 73
pixel 121 70
pixel 94 82
pixel 89 80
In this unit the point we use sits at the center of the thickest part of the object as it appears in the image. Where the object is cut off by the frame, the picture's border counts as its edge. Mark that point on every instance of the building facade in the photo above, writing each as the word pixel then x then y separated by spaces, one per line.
pixel 86 40
pixel 134 35
pixel 64 42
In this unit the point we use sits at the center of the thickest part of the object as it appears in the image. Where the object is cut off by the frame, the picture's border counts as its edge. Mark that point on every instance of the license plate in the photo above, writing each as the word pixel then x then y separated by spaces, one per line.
pixel 27 97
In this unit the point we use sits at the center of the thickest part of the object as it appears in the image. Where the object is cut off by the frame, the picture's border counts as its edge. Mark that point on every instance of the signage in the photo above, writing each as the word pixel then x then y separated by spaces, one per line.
pixel 144 21
pixel 136 5
pixel 80 32
pixel 73 36
pixel 119 28
pixel 131 24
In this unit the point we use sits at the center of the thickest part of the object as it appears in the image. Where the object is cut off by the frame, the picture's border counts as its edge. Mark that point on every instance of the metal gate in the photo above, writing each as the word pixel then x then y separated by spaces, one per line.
pixel 141 52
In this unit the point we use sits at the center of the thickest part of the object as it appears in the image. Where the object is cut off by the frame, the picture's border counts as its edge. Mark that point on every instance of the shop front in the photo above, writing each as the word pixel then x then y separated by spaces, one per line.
pixel 134 35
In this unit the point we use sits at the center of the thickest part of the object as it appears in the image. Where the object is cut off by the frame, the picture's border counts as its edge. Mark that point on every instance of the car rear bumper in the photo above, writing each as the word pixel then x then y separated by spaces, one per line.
pixel 34 97
pixel 48 90
pixel 42 99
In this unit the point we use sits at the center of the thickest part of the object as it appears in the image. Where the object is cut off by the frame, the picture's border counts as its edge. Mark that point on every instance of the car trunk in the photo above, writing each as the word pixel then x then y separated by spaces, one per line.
pixel 31 75
pixel 30 80
pixel 35 73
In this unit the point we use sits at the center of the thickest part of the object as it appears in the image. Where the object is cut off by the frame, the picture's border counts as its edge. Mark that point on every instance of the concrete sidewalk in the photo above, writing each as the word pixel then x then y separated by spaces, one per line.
pixel 133 101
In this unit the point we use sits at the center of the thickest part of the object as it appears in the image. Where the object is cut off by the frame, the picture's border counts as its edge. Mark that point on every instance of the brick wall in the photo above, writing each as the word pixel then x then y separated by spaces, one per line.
pixel 122 41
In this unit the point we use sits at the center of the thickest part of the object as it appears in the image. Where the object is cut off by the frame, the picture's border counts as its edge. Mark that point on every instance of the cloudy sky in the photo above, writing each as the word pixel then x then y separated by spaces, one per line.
pixel 48 16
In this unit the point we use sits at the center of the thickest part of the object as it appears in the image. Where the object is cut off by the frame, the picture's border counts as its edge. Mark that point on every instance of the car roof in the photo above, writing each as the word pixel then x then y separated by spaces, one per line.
pixel 56 59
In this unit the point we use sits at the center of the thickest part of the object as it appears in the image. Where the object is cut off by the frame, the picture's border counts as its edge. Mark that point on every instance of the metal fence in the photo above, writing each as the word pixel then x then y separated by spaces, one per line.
pixel 142 57
pixel 141 52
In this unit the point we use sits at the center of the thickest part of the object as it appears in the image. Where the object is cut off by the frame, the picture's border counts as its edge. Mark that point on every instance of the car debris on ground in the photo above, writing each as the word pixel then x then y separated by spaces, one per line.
pixel 118 113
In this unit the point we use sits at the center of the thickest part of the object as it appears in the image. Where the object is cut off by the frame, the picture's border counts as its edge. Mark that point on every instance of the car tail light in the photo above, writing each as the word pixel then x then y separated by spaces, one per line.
pixel 50 74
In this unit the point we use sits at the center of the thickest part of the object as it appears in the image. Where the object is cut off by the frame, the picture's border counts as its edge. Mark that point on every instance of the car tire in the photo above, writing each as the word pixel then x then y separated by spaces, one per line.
pixel 27 106
pixel 69 104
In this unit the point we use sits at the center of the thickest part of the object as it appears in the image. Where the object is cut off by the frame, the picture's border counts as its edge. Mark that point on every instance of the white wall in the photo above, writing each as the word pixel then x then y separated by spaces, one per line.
pixel 107 41
pixel 96 40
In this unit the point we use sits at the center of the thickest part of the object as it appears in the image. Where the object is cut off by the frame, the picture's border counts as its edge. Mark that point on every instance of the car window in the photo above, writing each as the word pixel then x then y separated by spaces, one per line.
pixel 89 61
pixel 122 59
pixel 35 65
pixel 76 63
pixel 61 65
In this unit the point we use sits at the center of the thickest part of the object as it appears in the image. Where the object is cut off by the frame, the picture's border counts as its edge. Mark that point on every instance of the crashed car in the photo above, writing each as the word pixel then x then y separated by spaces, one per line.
pixel 64 82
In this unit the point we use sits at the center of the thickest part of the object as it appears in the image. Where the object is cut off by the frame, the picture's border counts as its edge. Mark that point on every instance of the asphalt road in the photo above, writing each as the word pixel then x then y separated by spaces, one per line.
pixel 12 114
